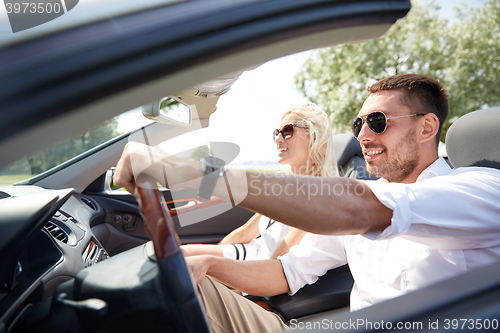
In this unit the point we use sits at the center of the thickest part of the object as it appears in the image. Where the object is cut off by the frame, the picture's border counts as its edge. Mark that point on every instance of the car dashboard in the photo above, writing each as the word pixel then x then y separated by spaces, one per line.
pixel 45 239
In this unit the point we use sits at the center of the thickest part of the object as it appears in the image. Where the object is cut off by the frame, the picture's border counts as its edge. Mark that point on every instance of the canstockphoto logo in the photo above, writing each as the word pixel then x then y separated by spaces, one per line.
pixel 26 14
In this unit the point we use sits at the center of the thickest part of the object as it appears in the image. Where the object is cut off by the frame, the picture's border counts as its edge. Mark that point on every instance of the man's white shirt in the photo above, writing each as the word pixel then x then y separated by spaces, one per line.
pixel 445 224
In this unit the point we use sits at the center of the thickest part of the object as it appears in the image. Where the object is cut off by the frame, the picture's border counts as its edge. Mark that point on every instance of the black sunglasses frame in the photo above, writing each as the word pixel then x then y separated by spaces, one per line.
pixel 286 131
pixel 358 122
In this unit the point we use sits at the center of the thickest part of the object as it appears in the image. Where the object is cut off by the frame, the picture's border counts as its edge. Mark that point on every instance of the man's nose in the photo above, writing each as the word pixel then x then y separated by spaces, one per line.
pixel 365 134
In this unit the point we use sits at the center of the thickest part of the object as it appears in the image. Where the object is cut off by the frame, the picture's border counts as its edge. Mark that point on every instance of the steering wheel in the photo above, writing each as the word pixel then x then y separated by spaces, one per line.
pixel 175 282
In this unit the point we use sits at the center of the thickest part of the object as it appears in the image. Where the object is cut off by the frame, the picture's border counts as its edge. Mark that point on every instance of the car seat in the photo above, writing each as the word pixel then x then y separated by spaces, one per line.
pixel 349 156
pixel 474 140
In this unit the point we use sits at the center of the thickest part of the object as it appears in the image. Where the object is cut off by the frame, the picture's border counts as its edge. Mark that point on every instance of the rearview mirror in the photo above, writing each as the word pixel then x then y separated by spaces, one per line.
pixel 168 110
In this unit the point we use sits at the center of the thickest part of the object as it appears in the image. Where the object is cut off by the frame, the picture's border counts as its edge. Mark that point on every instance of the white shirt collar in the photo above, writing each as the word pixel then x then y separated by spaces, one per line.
pixel 439 168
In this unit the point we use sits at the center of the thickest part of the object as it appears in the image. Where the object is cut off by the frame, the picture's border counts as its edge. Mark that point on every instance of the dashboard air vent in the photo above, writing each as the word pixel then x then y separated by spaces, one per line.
pixel 89 203
pixel 57 232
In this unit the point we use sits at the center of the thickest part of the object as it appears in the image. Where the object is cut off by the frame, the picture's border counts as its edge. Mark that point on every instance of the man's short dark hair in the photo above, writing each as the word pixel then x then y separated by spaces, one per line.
pixel 421 93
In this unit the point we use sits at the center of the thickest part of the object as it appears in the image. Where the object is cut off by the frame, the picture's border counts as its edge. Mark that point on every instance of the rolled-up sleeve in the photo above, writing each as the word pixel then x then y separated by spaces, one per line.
pixel 398 198
pixel 312 258
pixel 457 211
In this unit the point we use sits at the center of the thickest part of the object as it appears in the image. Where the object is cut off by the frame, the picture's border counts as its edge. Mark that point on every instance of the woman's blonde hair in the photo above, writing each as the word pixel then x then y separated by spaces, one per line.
pixel 320 140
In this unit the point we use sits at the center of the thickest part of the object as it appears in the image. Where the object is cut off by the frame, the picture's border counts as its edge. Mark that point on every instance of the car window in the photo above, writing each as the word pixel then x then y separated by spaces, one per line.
pixel 63 151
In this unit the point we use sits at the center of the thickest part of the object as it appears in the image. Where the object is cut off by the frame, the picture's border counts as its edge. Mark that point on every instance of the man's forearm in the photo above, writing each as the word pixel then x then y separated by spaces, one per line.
pixel 254 277
pixel 333 206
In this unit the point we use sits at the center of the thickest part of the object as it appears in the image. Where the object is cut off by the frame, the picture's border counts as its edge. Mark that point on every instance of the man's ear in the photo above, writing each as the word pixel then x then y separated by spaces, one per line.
pixel 430 127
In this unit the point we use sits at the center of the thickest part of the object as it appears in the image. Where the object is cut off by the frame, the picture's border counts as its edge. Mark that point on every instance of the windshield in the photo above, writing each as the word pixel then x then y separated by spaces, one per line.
pixel 63 151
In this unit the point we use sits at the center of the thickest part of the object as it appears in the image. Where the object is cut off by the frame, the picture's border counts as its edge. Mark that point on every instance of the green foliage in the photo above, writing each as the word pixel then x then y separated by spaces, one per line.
pixel 473 75
pixel 463 55
pixel 167 103
pixel 14 178
pixel 66 150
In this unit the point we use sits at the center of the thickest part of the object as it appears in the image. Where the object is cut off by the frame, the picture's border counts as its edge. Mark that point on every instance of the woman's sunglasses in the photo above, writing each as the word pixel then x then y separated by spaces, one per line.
pixel 377 122
pixel 286 131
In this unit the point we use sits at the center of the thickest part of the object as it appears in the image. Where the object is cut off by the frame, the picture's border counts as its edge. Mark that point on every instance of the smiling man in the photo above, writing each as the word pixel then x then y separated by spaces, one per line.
pixel 411 228
pixel 401 154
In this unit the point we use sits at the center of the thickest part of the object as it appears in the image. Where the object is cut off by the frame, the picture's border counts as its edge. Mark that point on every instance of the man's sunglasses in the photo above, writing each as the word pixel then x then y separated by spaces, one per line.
pixel 377 122
pixel 286 131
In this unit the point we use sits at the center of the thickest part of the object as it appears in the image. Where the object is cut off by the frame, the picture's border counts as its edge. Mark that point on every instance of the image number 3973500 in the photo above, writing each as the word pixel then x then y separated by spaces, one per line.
pixel 26 14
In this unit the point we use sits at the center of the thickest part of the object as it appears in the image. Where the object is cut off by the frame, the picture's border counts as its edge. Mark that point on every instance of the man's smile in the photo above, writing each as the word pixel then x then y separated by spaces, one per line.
pixel 371 154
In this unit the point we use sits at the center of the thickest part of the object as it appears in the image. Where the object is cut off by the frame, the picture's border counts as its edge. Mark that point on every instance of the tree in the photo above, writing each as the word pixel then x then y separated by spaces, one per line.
pixel 68 149
pixel 473 75
pixel 458 54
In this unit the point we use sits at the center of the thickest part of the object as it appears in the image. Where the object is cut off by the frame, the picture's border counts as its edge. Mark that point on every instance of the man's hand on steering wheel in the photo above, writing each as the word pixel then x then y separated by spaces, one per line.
pixel 169 170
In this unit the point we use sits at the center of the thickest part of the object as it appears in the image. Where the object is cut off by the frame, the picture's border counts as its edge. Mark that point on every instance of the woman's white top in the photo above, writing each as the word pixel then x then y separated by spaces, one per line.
pixel 262 247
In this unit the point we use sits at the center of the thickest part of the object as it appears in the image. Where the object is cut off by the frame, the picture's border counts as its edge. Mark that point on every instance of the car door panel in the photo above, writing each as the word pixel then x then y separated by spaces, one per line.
pixel 121 221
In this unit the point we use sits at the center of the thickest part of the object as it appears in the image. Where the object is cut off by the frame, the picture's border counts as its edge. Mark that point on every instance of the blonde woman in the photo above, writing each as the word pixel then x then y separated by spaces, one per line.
pixel 304 142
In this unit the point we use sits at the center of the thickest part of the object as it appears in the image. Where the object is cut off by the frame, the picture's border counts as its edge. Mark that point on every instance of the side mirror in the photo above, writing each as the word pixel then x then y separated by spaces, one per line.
pixel 169 110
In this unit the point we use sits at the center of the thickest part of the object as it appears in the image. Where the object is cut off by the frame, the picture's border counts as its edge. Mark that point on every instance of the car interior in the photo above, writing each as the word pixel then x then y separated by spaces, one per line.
pixel 75 252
